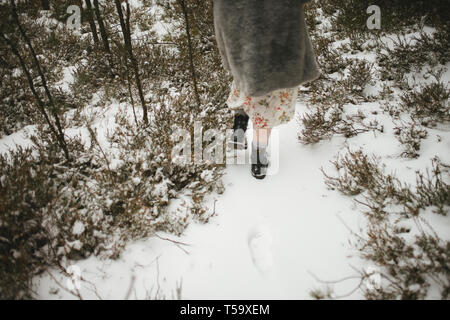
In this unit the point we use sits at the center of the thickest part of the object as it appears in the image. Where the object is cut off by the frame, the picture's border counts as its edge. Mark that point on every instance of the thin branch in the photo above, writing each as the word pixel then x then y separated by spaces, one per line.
pixel 177 243
pixel 191 50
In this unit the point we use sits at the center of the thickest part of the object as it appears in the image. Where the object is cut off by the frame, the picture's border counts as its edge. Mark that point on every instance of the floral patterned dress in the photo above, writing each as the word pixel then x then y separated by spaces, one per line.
pixel 271 110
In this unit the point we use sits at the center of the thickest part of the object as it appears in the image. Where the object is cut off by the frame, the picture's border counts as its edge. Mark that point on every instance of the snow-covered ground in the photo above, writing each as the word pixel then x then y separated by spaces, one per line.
pixel 276 238
pixel 269 239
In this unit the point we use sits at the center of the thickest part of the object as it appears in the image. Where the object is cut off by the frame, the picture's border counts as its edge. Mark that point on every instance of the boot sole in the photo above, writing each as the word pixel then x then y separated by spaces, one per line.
pixel 258 177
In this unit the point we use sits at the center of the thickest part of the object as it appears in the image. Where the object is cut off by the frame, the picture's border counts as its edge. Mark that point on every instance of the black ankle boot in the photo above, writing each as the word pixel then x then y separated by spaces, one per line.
pixel 238 139
pixel 260 162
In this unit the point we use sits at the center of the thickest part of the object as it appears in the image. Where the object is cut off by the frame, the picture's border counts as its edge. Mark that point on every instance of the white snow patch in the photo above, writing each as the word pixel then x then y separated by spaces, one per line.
pixel 78 228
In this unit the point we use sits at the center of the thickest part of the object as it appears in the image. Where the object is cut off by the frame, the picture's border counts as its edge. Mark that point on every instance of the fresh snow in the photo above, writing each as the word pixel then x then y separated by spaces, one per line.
pixel 276 238
pixel 67 79
pixel 269 239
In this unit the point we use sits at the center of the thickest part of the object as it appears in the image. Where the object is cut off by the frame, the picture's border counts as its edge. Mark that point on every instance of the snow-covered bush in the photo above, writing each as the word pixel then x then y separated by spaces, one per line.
pixel 119 182
pixel 414 261
pixel 410 136
pixel 406 58
pixel 428 104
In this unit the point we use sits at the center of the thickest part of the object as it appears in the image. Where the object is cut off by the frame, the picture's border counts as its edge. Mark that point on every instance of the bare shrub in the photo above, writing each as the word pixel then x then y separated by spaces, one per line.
pixel 409 268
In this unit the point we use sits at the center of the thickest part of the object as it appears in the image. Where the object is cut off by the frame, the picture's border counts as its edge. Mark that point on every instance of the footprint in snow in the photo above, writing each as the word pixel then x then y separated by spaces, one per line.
pixel 259 241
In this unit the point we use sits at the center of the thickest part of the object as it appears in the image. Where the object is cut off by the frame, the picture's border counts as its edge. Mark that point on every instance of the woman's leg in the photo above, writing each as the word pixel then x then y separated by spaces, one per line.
pixel 240 111
pixel 261 135
pixel 259 156
pixel 238 139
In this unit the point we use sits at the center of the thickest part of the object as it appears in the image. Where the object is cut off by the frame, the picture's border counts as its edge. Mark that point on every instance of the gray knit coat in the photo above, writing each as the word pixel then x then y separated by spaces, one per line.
pixel 264 44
